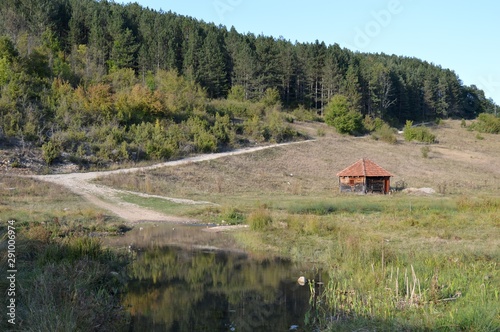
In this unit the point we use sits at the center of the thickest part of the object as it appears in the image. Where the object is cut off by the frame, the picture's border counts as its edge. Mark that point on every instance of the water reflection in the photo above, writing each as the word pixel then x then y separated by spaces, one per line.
pixel 181 289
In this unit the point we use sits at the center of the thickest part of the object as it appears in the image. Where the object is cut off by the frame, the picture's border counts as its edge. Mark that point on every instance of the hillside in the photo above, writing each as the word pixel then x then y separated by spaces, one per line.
pixel 98 83
pixel 460 164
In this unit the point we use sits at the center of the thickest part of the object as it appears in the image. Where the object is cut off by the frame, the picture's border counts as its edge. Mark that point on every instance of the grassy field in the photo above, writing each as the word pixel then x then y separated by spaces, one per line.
pixel 459 164
pixel 396 262
pixel 65 281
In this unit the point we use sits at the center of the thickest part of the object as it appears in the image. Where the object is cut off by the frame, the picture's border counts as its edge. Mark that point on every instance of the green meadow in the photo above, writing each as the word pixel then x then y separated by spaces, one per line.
pixel 405 261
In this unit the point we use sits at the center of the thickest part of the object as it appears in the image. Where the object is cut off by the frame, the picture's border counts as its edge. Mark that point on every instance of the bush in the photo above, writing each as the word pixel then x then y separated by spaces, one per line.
pixel 271 97
pixel 487 123
pixel 372 124
pixel 385 133
pixel 222 129
pixel 202 138
pixel 254 128
pixel 231 107
pixel 425 151
pixel 302 114
pixel 51 151
pixel 259 219
pixel 277 129
pixel 237 92
pixel 338 115
pixel 232 216
pixel 419 134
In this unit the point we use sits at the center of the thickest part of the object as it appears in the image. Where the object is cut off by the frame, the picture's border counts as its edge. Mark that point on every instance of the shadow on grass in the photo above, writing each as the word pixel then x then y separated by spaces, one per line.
pixel 324 208
pixel 64 284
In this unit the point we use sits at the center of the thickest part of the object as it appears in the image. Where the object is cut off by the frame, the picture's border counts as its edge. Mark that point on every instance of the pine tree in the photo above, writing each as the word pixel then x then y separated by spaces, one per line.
pixel 268 71
pixel 213 65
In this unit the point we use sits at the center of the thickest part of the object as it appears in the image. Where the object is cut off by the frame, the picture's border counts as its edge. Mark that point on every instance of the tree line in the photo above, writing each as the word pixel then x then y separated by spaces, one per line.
pixel 70 63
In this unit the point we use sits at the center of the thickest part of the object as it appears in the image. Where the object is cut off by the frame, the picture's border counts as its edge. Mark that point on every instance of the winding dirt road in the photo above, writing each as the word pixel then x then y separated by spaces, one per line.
pixel 109 199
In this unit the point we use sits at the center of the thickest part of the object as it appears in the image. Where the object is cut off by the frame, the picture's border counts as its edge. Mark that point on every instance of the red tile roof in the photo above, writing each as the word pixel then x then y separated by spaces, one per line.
pixel 364 167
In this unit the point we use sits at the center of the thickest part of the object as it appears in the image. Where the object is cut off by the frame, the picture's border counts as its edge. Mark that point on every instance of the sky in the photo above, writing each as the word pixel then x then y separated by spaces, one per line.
pixel 463 36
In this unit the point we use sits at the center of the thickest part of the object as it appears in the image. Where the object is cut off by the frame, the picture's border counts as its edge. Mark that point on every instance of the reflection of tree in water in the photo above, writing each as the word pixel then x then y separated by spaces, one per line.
pixel 177 290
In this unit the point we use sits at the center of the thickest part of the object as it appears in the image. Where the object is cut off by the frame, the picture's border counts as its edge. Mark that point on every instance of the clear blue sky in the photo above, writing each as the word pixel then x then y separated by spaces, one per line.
pixel 459 35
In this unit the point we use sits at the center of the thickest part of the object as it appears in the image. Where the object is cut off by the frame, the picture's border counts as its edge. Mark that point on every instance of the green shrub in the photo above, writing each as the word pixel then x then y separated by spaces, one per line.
pixel 231 107
pixel 271 97
pixel 419 134
pixel 232 216
pixel 277 129
pixel 372 124
pixel 302 114
pixel 259 219
pixel 237 92
pixel 254 128
pixel 51 151
pixel 425 151
pixel 222 129
pixel 385 133
pixel 345 120
pixel 487 123
pixel 205 142
pixel 203 139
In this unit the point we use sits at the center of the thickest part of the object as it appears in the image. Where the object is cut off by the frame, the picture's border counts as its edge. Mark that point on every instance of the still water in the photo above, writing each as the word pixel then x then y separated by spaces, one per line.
pixel 175 287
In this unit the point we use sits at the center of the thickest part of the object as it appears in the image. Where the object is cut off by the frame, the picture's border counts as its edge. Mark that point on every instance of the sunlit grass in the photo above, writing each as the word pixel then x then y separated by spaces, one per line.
pixel 411 263
pixel 396 262
pixel 163 205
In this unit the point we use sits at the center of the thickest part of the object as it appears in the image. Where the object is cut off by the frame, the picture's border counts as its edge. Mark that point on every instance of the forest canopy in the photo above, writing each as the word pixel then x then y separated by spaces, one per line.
pixel 107 79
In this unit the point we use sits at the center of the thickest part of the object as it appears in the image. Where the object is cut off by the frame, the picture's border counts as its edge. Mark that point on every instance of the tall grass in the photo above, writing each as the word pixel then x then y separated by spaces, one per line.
pixel 325 207
pixel 395 263
pixel 66 280
pixel 259 219
pixel 70 284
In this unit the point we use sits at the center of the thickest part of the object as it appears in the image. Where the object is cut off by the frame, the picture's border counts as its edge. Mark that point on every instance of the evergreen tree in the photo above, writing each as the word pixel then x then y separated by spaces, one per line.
pixel 123 50
pixel 352 88
pixel 287 59
pixel 213 72
pixel 268 71
pixel 192 47
pixel 333 71
pixel 89 42
pixel 244 63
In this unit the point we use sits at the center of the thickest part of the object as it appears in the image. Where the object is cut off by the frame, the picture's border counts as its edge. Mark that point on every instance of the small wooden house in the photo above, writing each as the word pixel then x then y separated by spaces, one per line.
pixel 364 176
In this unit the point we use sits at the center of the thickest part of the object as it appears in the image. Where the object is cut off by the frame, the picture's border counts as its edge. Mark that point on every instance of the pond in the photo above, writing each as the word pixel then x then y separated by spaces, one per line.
pixel 185 287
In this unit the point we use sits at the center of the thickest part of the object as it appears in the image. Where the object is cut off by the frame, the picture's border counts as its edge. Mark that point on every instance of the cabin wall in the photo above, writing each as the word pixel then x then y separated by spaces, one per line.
pixel 355 184
pixel 360 184
pixel 375 185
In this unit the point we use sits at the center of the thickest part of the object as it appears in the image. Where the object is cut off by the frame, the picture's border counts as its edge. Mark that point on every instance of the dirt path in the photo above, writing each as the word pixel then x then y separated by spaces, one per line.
pixel 109 199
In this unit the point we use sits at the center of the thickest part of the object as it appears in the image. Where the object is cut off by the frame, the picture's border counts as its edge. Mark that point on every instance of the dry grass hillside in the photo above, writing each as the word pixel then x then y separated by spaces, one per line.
pixel 462 162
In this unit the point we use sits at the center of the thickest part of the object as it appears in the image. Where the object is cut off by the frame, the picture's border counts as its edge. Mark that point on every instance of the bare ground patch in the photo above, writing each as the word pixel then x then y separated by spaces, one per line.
pixel 108 198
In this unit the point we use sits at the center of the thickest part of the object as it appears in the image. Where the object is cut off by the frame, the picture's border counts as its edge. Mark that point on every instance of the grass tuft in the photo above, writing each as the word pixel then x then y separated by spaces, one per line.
pixel 259 219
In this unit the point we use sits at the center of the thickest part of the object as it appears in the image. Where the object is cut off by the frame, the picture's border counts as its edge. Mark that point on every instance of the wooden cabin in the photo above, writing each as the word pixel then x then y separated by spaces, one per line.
pixel 364 176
